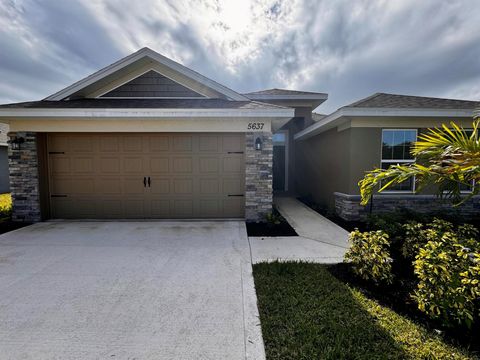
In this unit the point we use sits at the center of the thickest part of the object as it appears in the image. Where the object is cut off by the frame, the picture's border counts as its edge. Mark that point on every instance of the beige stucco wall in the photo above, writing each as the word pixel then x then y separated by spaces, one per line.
pixel 335 160
pixel 139 125
pixel 323 166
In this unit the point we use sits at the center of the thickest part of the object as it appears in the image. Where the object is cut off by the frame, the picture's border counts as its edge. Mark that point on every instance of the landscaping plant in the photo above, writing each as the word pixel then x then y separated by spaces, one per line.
pixel 446 157
pixel 448 271
pixel 370 257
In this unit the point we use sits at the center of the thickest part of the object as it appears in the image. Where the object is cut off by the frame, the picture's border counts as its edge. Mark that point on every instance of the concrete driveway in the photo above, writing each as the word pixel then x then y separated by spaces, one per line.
pixel 128 290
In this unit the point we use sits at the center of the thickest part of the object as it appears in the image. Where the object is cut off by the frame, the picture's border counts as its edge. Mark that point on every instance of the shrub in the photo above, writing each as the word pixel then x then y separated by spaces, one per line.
pixel 370 257
pixel 448 271
pixel 417 235
pixel 5 205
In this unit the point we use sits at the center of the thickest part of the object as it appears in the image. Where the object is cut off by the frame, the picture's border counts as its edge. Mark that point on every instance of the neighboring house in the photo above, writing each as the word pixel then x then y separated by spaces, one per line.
pixel 147 137
pixel 334 153
pixel 4 178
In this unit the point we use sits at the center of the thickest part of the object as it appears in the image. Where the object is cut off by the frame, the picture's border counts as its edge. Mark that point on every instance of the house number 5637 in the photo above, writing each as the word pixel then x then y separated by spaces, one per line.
pixel 255 126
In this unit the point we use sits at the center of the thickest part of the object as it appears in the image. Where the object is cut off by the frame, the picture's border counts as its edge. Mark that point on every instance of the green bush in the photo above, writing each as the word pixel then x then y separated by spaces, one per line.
pixel 370 257
pixel 416 235
pixel 448 271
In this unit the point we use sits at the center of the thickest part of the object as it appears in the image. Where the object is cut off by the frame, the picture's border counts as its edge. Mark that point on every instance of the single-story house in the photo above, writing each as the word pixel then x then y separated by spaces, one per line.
pixel 147 137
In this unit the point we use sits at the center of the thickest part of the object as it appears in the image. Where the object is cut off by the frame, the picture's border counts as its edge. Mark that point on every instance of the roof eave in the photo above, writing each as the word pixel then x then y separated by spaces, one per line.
pixel 341 114
pixel 34 113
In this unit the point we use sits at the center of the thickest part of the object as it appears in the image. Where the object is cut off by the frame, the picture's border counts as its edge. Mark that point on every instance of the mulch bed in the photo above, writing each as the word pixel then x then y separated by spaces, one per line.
pixel 7 225
pixel 268 229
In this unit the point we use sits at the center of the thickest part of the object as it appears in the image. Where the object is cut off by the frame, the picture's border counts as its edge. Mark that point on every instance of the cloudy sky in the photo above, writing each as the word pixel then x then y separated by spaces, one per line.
pixel 349 49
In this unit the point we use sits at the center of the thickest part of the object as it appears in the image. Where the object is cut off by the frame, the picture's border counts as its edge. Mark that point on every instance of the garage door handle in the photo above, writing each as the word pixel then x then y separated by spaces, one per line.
pixel 144 181
pixel 235 195
pixel 235 152
pixel 149 181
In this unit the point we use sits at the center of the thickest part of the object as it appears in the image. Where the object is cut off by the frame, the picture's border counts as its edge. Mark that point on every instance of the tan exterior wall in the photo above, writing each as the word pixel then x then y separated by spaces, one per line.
pixel 323 166
pixel 138 125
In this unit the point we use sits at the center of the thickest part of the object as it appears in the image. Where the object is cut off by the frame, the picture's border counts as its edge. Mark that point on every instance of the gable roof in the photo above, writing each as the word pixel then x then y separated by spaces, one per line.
pixel 151 84
pixel 144 57
pixel 384 100
pixel 391 105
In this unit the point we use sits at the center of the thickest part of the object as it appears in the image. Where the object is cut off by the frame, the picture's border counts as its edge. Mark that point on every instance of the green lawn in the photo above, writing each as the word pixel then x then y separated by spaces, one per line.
pixel 306 313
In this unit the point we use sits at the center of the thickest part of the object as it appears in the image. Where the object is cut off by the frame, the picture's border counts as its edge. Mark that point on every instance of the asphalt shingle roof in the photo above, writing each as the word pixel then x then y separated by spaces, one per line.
pixel 142 104
pixel 382 100
pixel 282 92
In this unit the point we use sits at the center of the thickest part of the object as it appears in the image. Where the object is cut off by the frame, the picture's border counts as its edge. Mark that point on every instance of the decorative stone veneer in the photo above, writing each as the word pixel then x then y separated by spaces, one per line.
pixel 258 176
pixel 348 206
pixel 24 185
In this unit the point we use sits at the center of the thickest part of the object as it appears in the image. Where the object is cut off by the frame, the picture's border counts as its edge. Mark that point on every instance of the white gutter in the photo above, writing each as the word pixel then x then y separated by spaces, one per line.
pixel 143 113
pixel 339 116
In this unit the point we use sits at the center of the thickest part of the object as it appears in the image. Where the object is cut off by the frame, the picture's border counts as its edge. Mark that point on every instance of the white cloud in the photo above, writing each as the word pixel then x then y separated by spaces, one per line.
pixel 348 49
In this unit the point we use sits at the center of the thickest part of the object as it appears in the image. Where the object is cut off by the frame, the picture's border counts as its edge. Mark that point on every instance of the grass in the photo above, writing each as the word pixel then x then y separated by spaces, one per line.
pixel 307 313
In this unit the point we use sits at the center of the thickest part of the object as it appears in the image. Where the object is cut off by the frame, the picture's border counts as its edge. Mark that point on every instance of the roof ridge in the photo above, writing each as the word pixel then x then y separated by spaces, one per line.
pixel 358 102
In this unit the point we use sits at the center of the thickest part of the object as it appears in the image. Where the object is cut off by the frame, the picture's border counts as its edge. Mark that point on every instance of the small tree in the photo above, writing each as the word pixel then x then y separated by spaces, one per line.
pixel 446 157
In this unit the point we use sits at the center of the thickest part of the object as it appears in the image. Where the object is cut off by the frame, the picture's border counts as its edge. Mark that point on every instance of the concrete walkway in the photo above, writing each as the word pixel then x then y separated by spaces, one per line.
pixel 310 224
pixel 320 240
pixel 128 290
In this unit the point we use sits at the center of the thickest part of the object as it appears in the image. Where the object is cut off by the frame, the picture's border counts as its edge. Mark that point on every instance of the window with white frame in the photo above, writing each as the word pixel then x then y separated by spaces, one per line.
pixel 396 144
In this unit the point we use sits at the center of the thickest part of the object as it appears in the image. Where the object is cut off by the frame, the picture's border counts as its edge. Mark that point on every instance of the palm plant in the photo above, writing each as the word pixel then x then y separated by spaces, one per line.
pixel 448 157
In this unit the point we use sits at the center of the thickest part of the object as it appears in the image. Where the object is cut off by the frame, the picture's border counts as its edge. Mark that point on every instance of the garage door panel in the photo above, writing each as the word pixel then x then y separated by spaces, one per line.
pixel 183 186
pixel 208 143
pixel 183 165
pixel 109 165
pixel 208 165
pixel 133 143
pixel 232 164
pixel 233 143
pixel 110 186
pixel 132 186
pixel 209 186
pixel 182 208
pixel 59 165
pixel 133 165
pixel 210 207
pixel 232 186
pixel 81 144
pixel 159 143
pixel 160 186
pixel 109 144
pixel 160 208
pixel 182 143
pixel 102 175
pixel 159 165
pixel 82 165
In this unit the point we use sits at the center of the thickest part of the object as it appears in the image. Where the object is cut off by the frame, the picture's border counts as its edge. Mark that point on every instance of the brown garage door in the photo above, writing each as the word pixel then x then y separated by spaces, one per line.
pixel 127 176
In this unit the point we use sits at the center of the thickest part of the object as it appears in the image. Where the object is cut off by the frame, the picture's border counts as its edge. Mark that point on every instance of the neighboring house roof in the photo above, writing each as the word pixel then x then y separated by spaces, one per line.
pixel 383 100
pixel 143 60
pixel 317 116
pixel 391 105
pixel 283 92
pixel 289 97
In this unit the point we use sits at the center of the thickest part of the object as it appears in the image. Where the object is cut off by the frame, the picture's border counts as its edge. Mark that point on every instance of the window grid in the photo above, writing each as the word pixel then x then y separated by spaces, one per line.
pixel 399 139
